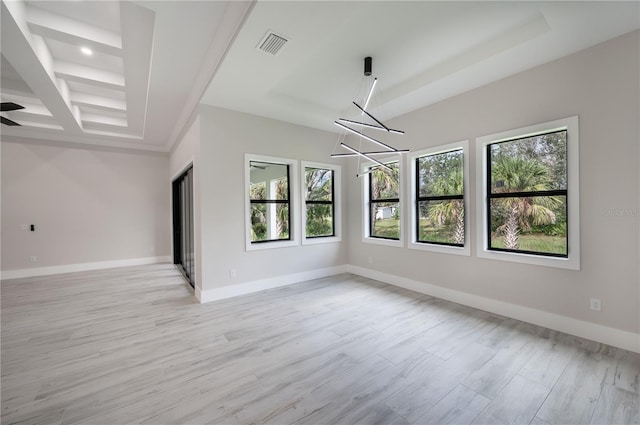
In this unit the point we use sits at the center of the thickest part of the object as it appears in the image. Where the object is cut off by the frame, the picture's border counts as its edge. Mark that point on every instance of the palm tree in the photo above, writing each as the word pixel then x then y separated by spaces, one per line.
pixel 318 188
pixel 258 212
pixel 516 174
pixel 318 182
pixel 282 210
pixel 384 182
pixel 451 211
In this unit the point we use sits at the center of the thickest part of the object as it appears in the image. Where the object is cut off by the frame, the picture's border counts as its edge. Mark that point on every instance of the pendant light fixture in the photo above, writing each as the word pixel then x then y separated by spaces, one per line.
pixel 357 128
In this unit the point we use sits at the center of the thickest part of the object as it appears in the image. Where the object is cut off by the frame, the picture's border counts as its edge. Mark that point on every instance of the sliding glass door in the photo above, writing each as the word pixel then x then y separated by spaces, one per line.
pixel 183 253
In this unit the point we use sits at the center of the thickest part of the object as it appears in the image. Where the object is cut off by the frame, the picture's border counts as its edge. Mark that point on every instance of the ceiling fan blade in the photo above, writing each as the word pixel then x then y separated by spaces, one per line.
pixel 10 106
pixel 7 121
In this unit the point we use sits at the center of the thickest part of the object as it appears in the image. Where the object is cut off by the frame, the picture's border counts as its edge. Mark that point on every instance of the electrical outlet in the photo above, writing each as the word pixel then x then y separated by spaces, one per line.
pixel 34 259
pixel 232 273
pixel 596 304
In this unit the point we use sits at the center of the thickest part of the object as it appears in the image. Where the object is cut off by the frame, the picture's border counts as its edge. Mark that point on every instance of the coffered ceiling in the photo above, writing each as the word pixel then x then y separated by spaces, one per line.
pixel 124 74
pixel 152 62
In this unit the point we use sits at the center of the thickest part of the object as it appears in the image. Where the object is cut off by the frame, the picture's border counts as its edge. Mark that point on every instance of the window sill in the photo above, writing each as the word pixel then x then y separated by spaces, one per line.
pixel 442 249
pixel 385 242
pixel 570 263
pixel 321 240
pixel 270 245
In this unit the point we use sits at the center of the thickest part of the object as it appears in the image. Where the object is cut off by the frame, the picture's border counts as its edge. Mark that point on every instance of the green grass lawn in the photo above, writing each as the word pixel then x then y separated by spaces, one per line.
pixel 386 228
pixel 431 233
pixel 536 242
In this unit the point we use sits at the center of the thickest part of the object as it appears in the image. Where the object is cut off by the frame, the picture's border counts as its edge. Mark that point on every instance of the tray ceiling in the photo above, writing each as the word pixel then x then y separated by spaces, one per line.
pixel 152 62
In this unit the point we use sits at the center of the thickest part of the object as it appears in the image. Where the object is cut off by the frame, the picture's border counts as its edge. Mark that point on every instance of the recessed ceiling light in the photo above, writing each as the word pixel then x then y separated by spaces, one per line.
pixel 87 51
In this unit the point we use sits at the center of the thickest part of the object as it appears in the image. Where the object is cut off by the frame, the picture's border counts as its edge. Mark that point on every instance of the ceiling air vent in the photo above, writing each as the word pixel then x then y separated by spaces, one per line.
pixel 272 42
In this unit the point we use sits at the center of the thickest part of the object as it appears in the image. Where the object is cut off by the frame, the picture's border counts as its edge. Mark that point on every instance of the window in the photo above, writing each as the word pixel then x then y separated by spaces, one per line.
pixel 383 216
pixel 270 208
pixel 530 211
pixel 438 187
pixel 321 193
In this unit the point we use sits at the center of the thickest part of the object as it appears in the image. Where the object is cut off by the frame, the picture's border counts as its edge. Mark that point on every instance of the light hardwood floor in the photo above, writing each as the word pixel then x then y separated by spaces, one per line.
pixel 132 345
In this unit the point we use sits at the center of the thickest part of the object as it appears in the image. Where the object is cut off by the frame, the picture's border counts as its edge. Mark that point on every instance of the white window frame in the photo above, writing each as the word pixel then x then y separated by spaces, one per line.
pixel 365 204
pixel 337 201
pixel 294 203
pixel 572 262
pixel 413 239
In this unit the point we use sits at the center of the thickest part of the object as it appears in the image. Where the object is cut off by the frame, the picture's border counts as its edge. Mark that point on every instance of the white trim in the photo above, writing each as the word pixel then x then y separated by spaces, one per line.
pixel 364 215
pixel 592 331
pixel 198 293
pixel 294 203
pixel 337 203
pixel 188 163
pixel 412 239
pixel 231 291
pixel 81 267
pixel 571 124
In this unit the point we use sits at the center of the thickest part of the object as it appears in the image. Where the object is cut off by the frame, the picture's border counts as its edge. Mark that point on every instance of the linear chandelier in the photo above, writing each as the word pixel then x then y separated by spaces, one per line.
pixel 347 125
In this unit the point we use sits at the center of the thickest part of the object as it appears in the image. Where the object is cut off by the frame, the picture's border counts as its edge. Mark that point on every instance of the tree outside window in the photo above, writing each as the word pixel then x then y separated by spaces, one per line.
pixel 384 202
pixel 527 194
pixel 269 198
pixel 440 198
pixel 319 194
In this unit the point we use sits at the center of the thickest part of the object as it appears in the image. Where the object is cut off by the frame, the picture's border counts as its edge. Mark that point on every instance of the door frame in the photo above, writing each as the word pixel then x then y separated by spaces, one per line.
pixel 177 219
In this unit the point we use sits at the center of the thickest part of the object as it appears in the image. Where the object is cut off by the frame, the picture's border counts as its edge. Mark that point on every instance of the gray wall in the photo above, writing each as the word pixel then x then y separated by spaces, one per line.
pixel 88 205
pixel 225 137
pixel 601 86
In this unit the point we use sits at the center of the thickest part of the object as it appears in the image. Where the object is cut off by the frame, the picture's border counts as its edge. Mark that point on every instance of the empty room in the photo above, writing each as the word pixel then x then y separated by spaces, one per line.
pixel 320 212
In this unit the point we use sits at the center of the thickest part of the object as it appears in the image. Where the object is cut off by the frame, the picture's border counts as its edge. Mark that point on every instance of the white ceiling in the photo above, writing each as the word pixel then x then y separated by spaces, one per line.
pixel 423 51
pixel 153 60
pixel 150 64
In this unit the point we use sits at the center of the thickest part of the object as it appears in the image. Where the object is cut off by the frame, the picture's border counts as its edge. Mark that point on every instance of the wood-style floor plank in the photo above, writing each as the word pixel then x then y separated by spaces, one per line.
pixel 517 403
pixel 132 345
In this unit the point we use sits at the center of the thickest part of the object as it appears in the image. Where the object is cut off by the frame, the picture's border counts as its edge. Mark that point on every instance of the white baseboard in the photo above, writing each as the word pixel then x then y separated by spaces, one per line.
pixel 262 284
pixel 70 268
pixel 198 293
pixel 592 331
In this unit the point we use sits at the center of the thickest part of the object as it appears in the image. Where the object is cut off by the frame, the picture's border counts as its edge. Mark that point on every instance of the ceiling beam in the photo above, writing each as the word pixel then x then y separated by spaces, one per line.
pixel 88 75
pixel 98 102
pixel 15 86
pixel 50 25
pixel 30 57
pixel 104 120
pixel 33 115
pixel 137 25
